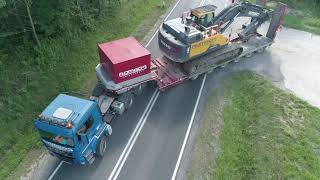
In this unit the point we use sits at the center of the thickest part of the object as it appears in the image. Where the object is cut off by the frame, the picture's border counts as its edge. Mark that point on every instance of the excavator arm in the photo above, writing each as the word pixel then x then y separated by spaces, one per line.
pixel 226 17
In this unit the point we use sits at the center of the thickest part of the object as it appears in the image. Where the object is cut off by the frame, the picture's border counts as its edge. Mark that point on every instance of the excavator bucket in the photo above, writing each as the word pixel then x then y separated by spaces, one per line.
pixel 276 20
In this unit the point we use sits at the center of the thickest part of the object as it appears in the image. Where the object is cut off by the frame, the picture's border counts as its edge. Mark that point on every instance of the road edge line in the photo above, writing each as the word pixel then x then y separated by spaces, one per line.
pixel 174 175
pixel 155 33
pixel 55 170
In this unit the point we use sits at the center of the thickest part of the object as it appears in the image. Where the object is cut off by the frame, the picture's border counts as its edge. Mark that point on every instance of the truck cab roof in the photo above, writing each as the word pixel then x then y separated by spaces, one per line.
pixel 66 109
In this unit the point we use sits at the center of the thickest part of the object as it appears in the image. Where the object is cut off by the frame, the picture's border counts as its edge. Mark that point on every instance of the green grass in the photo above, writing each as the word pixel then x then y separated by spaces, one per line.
pixel 305 23
pixel 266 133
pixel 29 80
pixel 302 15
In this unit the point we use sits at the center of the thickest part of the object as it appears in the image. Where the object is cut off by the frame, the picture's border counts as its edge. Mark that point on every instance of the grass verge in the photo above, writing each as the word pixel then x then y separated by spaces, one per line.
pixel 302 15
pixel 29 83
pixel 266 133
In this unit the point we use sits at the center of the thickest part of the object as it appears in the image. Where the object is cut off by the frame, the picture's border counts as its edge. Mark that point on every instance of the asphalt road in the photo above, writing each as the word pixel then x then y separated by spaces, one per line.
pixel 155 152
pixel 155 148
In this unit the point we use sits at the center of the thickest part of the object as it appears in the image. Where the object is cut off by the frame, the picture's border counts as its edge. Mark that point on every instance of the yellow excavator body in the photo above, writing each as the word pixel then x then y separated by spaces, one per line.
pixel 204 45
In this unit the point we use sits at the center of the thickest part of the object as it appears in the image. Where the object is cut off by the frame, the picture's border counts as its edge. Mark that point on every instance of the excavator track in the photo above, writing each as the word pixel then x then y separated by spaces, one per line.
pixel 210 61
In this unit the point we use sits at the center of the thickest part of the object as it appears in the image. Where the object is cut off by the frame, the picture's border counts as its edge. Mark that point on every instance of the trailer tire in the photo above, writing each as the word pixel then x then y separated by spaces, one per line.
pixel 102 146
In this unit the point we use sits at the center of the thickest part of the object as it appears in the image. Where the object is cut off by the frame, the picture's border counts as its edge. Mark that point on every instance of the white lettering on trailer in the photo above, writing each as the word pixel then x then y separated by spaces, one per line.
pixel 132 71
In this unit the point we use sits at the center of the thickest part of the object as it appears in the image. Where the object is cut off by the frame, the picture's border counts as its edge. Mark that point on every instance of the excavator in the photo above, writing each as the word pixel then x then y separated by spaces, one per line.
pixel 201 39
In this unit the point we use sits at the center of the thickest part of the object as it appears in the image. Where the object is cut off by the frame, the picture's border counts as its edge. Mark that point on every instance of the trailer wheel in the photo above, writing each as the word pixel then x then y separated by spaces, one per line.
pixel 102 146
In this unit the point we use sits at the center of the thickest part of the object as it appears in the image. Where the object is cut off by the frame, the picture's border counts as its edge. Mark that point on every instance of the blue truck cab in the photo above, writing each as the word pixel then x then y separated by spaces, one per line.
pixel 73 129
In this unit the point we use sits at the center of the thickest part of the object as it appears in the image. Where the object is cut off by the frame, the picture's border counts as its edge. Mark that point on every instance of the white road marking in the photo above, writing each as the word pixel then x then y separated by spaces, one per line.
pixel 186 137
pixel 142 120
pixel 133 141
pixel 134 135
pixel 174 175
pixel 55 170
pixel 116 170
pixel 163 20
pixel 176 168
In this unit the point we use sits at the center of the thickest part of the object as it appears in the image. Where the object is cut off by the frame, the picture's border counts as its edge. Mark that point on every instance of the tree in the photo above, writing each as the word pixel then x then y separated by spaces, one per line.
pixel 2 3
pixel 27 5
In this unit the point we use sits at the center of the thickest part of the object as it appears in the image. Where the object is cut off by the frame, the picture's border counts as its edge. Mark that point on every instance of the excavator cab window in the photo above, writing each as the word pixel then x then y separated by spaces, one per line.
pixel 203 20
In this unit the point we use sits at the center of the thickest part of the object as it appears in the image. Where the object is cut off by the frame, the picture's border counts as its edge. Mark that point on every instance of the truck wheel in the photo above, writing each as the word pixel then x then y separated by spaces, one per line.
pixel 107 119
pixel 139 89
pixel 98 89
pixel 130 102
pixel 102 146
pixel 127 100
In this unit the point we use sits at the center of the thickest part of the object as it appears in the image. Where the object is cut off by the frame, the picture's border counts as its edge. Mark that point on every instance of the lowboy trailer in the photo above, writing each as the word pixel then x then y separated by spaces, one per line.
pixel 77 130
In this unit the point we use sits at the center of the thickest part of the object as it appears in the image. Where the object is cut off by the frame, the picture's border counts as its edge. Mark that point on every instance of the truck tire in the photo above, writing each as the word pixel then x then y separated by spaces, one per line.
pixel 102 146
pixel 127 100
pixel 138 90
pixel 98 89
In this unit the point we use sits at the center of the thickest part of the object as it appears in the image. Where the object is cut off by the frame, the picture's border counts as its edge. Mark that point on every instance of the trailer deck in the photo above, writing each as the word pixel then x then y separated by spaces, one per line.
pixel 170 74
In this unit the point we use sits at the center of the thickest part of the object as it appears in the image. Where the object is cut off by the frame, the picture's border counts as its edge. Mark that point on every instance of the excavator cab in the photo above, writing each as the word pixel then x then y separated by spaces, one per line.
pixel 203 16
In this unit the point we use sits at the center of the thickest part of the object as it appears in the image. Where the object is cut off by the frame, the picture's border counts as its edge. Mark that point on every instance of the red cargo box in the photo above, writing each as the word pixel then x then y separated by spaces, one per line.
pixel 124 59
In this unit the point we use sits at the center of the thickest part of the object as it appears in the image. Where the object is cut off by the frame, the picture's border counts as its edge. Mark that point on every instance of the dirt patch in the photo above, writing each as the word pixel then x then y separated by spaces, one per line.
pixel 37 165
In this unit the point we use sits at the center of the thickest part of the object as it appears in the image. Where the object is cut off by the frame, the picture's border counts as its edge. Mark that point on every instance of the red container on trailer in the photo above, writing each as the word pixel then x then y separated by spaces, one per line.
pixel 124 59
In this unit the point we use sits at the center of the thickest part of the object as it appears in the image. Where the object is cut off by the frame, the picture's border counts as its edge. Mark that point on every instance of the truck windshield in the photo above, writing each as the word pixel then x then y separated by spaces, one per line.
pixel 56 138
